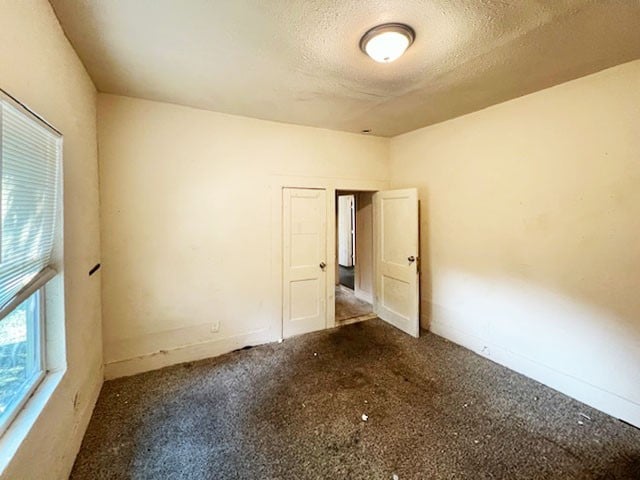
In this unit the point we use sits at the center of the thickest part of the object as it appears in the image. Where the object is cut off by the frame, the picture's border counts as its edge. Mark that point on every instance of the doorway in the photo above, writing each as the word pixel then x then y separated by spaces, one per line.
pixel 354 257
pixel 379 250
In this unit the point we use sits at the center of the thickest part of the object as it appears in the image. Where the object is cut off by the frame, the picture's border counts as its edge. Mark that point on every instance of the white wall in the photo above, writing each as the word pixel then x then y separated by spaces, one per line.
pixel 530 228
pixel 40 69
pixel 364 247
pixel 191 224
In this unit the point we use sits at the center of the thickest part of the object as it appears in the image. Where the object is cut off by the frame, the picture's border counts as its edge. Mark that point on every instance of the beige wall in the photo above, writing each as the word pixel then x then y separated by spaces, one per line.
pixel 530 228
pixel 364 247
pixel 40 68
pixel 190 222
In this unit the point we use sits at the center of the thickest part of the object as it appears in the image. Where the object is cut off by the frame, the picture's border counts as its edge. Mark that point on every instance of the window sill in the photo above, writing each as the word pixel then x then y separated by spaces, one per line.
pixel 27 417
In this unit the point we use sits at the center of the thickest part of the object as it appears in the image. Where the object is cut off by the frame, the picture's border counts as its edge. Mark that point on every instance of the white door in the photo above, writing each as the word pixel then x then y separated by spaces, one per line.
pixel 345 229
pixel 397 296
pixel 304 260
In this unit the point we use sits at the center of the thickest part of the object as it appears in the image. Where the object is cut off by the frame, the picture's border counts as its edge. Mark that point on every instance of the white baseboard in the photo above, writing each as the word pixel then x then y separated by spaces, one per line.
pixel 585 392
pixel 603 400
pixel 187 353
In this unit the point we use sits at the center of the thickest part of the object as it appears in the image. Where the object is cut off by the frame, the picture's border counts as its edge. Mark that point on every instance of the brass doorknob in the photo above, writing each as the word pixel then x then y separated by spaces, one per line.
pixel 322 265
pixel 412 259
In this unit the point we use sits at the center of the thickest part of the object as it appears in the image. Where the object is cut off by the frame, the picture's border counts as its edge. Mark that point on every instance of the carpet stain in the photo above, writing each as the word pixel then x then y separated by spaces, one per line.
pixel 294 410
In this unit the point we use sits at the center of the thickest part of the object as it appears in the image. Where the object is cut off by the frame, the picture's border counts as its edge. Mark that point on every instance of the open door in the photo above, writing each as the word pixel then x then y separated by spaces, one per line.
pixel 346 229
pixel 304 260
pixel 397 295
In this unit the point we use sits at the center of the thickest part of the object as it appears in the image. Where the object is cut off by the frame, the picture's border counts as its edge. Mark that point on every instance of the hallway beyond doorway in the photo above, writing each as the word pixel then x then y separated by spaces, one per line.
pixel 349 307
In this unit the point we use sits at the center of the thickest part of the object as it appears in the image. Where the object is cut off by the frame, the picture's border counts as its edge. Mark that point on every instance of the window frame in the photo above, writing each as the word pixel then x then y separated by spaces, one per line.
pixel 28 390
pixel 38 285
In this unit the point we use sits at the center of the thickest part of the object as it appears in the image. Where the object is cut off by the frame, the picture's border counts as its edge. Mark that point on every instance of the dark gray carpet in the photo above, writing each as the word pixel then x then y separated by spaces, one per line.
pixel 294 411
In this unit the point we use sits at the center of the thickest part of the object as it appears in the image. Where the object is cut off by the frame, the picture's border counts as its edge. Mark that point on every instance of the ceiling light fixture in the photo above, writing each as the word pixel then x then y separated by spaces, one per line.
pixel 386 43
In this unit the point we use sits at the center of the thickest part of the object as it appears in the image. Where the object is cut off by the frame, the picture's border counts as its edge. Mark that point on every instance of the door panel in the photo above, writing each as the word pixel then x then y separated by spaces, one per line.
pixel 397 282
pixel 304 250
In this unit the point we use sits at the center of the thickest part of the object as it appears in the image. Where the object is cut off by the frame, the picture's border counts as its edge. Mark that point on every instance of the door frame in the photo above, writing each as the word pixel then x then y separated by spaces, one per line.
pixel 331 185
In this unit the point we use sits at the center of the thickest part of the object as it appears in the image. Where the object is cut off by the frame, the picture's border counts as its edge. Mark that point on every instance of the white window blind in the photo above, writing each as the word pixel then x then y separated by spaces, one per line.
pixel 29 163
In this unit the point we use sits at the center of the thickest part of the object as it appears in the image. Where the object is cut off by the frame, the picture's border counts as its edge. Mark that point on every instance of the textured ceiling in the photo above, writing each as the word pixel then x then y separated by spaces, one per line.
pixel 298 61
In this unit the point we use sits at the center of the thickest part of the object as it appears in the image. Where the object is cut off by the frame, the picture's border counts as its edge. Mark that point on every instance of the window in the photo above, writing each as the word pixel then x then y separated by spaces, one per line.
pixel 29 165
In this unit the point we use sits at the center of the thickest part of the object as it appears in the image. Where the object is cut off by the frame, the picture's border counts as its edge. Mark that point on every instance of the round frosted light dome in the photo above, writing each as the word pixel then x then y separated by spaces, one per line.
pixel 386 43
